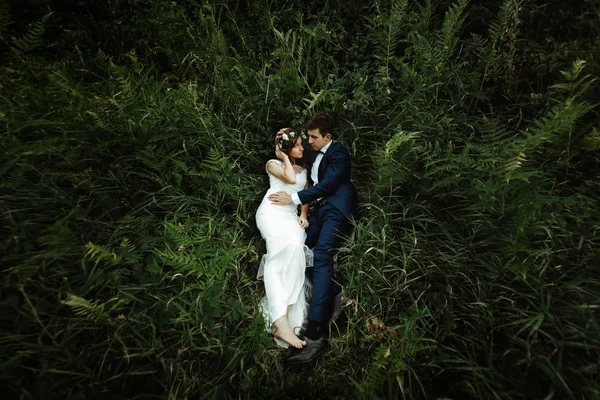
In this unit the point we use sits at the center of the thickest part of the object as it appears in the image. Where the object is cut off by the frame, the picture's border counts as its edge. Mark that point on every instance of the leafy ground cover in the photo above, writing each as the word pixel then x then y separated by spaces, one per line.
pixel 134 136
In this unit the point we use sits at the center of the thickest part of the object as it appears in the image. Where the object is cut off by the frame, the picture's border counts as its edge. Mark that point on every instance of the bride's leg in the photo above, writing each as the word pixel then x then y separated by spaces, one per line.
pixel 282 329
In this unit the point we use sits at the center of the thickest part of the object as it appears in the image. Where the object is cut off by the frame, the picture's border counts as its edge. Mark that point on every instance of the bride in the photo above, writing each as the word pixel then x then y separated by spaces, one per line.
pixel 282 267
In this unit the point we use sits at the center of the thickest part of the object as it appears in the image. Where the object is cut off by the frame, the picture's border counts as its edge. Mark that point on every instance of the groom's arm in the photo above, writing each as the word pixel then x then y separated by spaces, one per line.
pixel 338 167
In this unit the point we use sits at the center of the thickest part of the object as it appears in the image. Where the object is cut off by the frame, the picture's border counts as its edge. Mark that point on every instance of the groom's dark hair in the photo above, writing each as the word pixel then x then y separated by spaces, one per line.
pixel 322 121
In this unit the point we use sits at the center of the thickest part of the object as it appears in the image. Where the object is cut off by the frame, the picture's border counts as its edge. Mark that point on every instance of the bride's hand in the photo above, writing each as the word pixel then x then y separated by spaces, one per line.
pixel 279 134
pixel 280 154
pixel 303 222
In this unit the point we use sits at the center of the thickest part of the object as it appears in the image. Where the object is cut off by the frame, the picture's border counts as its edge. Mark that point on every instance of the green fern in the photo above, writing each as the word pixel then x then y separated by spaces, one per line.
pixel 63 86
pixel 98 253
pixel 33 38
pixel 453 23
pixel 180 259
pixel 215 166
pixel 433 51
pixel 398 140
pixel 480 45
pixel 12 174
pixel 189 233
pixel 503 27
pixel 289 55
pixel 311 103
pixel 86 308
pixel 513 165
pixel 125 95
pixel 393 26
pixel 556 126
pixel 576 85
pixel 100 122
pixel 503 35
pixel 153 158
pixel 592 140
pixel 129 252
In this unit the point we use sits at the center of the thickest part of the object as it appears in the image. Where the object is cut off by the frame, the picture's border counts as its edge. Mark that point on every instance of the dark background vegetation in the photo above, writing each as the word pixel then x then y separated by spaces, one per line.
pixel 134 135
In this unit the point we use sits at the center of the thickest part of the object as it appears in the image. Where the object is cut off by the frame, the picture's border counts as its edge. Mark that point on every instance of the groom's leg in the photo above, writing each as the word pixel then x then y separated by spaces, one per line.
pixel 334 224
pixel 312 235
pixel 314 228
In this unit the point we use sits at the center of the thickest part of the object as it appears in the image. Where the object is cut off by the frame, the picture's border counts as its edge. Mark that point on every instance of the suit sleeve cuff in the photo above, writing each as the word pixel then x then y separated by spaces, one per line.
pixel 296 199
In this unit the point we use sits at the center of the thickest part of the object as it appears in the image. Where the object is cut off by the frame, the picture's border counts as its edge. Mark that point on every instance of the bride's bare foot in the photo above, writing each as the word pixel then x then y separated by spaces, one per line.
pixel 282 329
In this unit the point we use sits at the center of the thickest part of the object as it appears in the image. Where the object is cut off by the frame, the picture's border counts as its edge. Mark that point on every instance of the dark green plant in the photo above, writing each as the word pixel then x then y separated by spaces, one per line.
pixel 133 139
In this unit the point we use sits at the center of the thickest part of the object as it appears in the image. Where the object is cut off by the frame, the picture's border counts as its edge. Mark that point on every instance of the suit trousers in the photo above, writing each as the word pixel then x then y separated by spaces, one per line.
pixel 325 234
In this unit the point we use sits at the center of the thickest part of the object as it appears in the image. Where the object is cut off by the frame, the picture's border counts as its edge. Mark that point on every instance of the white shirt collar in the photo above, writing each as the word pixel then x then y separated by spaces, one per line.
pixel 324 148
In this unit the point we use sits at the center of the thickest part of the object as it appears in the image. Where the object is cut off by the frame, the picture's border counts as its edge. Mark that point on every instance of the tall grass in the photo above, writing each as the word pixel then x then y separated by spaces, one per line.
pixel 134 138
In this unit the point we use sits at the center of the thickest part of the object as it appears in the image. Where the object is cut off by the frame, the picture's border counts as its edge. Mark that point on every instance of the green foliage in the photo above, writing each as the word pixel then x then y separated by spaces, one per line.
pixel 134 137
pixel 33 38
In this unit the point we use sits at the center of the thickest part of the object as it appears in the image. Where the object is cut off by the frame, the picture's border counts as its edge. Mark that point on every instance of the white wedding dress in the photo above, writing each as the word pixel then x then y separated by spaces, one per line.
pixel 282 267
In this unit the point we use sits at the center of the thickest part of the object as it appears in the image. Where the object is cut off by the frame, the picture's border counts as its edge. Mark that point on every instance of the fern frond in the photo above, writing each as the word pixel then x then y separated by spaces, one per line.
pixel 453 22
pixel 214 165
pixel 180 260
pixel 128 252
pixel 502 25
pixel 125 95
pixel 480 45
pixel 559 121
pixel 189 234
pixel 153 158
pixel 399 139
pixel 12 174
pixel 576 69
pixel 314 100
pixel 63 86
pixel 99 253
pixel 503 36
pixel 86 308
pixel 592 140
pixel 100 122
pixel 393 26
pixel 576 84
pixel 513 165
pixel 34 37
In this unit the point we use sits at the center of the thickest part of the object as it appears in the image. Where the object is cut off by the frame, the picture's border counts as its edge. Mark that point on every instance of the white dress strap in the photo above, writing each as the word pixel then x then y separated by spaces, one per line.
pixel 278 162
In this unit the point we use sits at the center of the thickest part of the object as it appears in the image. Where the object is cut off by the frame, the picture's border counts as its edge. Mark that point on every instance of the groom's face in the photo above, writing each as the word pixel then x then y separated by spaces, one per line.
pixel 317 140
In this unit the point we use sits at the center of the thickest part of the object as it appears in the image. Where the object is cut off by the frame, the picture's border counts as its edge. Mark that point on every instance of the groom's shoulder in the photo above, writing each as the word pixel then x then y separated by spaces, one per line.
pixel 339 146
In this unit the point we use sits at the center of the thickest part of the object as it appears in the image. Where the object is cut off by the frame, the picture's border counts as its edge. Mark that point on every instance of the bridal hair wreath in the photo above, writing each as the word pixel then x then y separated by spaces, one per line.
pixel 286 137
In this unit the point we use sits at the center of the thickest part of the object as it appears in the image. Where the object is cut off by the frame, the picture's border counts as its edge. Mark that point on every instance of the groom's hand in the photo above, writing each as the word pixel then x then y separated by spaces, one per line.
pixel 280 198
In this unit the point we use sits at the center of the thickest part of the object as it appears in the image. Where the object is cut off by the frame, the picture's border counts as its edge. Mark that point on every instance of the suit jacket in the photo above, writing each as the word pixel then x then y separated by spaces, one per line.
pixel 334 180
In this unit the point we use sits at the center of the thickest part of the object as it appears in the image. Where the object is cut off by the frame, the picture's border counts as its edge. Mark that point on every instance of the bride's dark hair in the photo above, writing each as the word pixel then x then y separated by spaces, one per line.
pixel 288 145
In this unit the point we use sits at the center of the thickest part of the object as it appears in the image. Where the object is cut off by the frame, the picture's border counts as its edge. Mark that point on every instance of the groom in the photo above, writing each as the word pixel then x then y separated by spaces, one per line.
pixel 332 199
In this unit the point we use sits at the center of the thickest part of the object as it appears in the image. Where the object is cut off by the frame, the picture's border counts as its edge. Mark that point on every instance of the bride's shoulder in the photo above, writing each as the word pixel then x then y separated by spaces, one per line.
pixel 274 161
pixel 298 169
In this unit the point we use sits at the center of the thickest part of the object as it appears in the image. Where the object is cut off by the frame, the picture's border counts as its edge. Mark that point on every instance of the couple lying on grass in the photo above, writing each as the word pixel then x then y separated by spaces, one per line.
pixel 319 180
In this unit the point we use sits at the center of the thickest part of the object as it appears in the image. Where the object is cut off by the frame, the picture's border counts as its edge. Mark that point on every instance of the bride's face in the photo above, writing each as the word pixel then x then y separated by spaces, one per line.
pixel 297 150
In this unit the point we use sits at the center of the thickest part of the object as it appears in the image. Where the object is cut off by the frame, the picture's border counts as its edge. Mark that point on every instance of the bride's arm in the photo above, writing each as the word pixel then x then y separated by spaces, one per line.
pixel 287 173
pixel 303 220
pixel 304 211
pixel 304 207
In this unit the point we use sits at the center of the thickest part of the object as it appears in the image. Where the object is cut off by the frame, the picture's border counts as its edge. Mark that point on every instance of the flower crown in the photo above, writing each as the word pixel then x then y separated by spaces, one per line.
pixel 290 136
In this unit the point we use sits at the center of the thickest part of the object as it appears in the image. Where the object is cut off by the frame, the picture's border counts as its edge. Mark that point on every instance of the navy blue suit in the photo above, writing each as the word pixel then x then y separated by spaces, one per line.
pixel 327 223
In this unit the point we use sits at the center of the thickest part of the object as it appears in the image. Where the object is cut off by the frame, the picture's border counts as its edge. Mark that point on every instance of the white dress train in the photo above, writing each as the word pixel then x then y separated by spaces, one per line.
pixel 282 267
